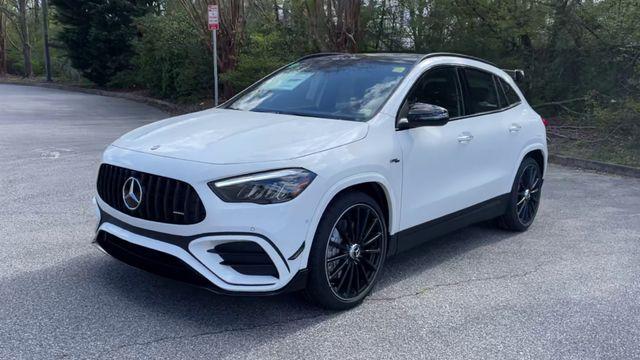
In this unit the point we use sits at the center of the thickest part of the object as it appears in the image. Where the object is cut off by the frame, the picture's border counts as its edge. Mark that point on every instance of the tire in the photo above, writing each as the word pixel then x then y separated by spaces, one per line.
pixel 525 196
pixel 348 252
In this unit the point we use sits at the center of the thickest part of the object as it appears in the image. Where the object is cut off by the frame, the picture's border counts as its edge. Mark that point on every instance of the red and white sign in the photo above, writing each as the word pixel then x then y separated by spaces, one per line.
pixel 214 18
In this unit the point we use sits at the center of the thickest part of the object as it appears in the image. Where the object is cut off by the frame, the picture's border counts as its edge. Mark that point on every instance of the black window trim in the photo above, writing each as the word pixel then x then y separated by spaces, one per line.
pixel 485 112
pixel 463 95
pixel 505 91
pixel 459 89
pixel 502 100
pixel 500 90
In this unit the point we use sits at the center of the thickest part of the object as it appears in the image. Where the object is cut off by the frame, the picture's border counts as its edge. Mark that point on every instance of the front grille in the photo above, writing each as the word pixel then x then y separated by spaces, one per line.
pixel 149 259
pixel 163 199
pixel 246 257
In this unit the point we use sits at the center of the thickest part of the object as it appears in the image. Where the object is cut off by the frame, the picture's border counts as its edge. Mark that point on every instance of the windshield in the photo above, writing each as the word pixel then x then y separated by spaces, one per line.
pixel 335 87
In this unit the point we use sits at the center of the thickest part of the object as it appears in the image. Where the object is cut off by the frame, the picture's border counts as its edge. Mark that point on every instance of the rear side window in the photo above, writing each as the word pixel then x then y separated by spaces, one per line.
pixel 512 96
pixel 502 97
pixel 482 94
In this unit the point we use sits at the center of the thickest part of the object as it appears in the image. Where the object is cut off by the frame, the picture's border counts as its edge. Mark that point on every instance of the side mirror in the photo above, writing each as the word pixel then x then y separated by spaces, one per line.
pixel 421 114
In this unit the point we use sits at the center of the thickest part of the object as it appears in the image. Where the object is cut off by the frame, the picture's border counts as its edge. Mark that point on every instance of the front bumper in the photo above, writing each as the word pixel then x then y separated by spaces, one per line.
pixel 187 259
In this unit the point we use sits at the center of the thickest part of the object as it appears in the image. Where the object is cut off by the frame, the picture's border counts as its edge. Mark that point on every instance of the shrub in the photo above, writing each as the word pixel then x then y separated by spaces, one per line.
pixel 264 52
pixel 171 61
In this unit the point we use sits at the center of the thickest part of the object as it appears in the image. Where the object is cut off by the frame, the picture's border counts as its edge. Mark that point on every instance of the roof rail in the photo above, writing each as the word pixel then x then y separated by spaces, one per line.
pixel 316 55
pixel 456 55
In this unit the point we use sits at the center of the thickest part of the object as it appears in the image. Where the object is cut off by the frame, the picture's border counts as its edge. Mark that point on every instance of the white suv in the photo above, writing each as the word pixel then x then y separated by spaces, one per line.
pixel 313 176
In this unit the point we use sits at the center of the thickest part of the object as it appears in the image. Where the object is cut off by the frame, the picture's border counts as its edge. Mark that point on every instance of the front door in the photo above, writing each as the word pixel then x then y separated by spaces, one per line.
pixel 436 159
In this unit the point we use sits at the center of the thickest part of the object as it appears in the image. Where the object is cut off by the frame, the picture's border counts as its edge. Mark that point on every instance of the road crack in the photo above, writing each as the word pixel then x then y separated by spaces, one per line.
pixel 324 314
pixel 458 283
pixel 217 332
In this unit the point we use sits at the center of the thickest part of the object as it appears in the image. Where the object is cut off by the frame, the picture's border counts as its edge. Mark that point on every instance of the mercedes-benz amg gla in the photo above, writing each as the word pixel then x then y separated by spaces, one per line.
pixel 312 177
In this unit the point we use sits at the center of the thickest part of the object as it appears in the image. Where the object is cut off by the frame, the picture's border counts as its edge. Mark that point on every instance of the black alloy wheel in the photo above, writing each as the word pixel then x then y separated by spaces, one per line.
pixel 525 196
pixel 353 254
pixel 529 187
pixel 348 252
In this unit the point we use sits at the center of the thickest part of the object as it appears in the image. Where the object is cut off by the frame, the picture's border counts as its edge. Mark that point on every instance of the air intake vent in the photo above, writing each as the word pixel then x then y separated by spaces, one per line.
pixel 161 199
pixel 150 260
pixel 246 257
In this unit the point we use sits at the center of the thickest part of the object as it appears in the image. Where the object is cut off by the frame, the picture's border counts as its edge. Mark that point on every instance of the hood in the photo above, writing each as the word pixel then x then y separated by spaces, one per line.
pixel 220 136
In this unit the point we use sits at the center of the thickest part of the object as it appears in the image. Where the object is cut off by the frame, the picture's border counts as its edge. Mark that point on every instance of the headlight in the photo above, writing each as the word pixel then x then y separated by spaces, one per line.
pixel 269 187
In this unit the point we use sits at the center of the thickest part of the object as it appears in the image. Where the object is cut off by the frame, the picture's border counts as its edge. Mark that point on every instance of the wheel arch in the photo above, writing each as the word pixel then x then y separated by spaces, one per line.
pixel 536 151
pixel 538 156
pixel 372 184
pixel 373 189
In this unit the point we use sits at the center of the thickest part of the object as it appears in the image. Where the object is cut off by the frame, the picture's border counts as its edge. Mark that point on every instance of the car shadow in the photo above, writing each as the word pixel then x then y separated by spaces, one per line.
pixel 430 254
pixel 91 295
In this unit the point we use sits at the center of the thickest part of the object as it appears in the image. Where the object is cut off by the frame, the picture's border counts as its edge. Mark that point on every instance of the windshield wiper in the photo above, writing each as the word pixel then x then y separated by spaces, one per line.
pixel 295 113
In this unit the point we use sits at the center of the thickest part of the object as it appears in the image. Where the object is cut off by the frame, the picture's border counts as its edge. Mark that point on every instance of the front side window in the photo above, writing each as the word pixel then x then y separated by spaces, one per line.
pixel 439 87
pixel 482 92
pixel 335 87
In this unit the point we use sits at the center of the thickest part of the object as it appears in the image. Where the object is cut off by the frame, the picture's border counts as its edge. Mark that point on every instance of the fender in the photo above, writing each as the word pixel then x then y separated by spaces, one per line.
pixel 529 148
pixel 336 188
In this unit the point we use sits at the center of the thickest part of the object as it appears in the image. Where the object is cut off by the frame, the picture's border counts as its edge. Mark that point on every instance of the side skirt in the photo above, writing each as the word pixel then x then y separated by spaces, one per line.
pixel 419 234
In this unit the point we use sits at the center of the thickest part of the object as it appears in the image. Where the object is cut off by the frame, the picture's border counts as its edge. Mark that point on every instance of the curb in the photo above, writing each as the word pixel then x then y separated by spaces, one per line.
pixel 595 165
pixel 160 104
pixel 175 109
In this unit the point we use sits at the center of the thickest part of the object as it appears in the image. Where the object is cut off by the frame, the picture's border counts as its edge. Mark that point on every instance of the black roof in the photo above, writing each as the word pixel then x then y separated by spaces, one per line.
pixel 408 57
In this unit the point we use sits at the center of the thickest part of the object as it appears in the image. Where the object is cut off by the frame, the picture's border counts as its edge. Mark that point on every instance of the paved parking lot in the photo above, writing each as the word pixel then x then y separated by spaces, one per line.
pixel 567 289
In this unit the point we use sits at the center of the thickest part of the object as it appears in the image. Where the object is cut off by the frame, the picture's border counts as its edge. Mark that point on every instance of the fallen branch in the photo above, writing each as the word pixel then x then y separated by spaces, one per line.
pixel 557 103
pixel 608 135
pixel 557 134
pixel 571 127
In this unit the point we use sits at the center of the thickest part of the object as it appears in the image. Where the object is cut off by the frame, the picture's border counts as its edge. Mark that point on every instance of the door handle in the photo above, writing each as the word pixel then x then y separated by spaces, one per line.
pixel 465 138
pixel 514 128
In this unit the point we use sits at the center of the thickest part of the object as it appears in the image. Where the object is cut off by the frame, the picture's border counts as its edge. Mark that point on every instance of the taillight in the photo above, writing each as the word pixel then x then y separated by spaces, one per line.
pixel 544 121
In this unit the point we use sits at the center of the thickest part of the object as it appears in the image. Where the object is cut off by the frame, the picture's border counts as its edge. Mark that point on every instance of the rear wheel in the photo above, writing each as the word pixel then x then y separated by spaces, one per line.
pixel 348 252
pixel 524 198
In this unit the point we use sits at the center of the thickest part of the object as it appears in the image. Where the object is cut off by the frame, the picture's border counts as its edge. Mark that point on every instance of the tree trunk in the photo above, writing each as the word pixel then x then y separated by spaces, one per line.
pixel 24 34
pixel 3 44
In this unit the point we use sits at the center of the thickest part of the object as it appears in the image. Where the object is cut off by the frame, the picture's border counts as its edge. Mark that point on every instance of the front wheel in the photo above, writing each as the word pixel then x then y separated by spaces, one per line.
pixel 524 198
pixel 348 252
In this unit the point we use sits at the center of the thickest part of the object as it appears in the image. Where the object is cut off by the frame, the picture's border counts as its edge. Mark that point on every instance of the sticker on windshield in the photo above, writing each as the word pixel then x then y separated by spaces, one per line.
pixel 286 81
pixel 399 69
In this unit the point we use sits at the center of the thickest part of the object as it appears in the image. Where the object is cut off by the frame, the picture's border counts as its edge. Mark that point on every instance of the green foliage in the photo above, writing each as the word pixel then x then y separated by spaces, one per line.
pixel 568 49
pixel 98 35
pixel 170 61
pixel 265 51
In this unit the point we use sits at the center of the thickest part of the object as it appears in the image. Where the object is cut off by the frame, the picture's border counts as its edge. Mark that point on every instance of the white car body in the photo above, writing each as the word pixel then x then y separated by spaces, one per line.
pixel 426 173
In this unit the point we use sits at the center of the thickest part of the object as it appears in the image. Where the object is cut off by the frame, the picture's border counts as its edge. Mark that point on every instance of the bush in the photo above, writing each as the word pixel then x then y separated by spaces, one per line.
pixel 170 61
pixel 264 52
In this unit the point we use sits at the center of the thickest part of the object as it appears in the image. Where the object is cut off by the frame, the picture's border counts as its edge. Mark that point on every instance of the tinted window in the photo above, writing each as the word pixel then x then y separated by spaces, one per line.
pixel 482 92
pixel 438 87
pixel 511 94
pixel 502 97
pixel 341 87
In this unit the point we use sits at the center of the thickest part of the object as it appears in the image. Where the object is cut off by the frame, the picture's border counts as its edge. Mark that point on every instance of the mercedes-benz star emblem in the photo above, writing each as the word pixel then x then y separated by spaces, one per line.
pixel 132 193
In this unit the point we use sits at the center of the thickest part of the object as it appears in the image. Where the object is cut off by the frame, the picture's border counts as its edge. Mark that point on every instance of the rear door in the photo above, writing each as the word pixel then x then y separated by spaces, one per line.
pixel 490 164
pixel 515 124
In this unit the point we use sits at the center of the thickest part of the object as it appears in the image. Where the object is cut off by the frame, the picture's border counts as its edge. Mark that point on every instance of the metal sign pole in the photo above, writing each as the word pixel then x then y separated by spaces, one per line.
pixel 215 67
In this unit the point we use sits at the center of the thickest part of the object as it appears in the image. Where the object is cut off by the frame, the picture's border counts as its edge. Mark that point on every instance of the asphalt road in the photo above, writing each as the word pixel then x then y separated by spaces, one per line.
pixel 569 288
